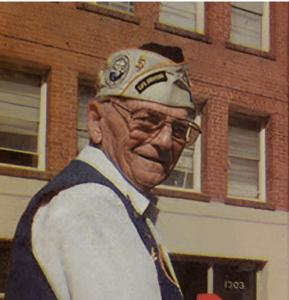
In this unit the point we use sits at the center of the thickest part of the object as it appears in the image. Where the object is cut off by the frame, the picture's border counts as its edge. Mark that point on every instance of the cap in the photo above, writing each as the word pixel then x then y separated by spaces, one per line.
pixel 145 75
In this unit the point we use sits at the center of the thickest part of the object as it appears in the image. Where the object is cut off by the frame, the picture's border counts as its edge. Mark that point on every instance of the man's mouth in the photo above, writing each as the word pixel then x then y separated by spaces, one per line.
pixel 164 162
pixel 152 158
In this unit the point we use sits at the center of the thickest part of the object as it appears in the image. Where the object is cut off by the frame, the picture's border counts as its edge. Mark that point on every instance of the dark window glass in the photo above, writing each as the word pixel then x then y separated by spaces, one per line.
pixel 5 257
pixel 192 277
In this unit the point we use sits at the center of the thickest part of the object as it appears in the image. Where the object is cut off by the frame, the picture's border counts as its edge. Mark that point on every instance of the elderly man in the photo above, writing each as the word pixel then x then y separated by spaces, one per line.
pixel 87 234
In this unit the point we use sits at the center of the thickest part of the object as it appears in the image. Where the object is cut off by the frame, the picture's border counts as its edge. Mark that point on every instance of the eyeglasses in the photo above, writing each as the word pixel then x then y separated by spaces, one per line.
pixel 151 121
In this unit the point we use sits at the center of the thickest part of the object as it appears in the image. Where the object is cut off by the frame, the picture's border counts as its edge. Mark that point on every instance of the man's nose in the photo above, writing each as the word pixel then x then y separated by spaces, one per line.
pixel 164 139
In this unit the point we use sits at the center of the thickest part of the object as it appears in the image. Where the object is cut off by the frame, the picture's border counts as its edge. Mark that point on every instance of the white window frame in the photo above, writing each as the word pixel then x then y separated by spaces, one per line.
pixel 262 166
pixel 262 171
pixel 196 166
pixel 200 18
pixel 126 7
pixel 41 147
pixel 41 135
pixel 265 32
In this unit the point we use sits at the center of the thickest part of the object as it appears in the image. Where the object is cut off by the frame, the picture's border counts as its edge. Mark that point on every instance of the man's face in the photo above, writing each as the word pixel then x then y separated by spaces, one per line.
pixel 145 159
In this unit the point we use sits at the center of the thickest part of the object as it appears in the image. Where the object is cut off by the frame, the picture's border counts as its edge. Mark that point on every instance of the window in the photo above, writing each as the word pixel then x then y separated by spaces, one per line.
pixel 229 279
pixel 250 24
pixel 186 15
pixel 22 119
pixel 187 172
pixel 86 91
pixel 119 6
pixel 246 159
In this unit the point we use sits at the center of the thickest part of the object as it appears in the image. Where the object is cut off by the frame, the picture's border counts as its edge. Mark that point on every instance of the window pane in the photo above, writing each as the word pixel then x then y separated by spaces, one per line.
pixel 182 175
pixel 236 282
pixel 246 28
pixel 176 179
pixel 180 14
pixel 243 177
pixel 122 6
pixel 19 118
pixel 18 158
pixel 244 142
pixel 243 157
pixel 256 7
pixel 16 141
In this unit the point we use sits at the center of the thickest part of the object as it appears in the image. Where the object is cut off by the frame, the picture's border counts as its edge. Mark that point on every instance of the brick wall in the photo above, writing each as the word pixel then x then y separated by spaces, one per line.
pixel 64 41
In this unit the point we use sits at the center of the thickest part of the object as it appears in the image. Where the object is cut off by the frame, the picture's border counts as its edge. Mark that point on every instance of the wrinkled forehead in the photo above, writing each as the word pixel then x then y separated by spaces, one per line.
pixel 144 75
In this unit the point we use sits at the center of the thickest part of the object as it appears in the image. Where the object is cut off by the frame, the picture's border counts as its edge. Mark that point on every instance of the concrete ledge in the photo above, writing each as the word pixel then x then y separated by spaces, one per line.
pixel 249 50
pixel 181 194
pixel 184 33
pixel 248 203
pixel 25 173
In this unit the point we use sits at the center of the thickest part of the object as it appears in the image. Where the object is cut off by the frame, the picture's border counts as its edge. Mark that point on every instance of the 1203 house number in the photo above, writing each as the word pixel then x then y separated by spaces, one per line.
pixel 237 285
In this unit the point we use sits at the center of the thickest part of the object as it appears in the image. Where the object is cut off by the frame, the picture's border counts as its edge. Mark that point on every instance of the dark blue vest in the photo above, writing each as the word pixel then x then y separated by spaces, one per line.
pixel 27 281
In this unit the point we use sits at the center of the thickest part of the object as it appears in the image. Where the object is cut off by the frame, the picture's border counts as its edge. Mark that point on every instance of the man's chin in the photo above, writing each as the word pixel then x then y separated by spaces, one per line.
pixel 146 181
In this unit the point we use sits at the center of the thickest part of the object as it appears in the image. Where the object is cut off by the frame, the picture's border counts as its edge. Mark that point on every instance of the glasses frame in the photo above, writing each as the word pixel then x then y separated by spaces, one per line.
pixel 192 124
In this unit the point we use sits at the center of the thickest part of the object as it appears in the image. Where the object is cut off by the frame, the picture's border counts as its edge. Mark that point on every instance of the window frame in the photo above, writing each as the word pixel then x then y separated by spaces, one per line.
pixel 265 31
pixel 200 19
pixel 261 168
pixel 41 135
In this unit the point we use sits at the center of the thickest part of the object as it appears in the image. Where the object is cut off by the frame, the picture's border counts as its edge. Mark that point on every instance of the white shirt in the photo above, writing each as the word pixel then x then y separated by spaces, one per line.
pixel 86 244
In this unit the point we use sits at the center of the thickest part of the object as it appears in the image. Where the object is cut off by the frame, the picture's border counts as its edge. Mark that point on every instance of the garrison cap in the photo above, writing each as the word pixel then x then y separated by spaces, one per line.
pixel 145 75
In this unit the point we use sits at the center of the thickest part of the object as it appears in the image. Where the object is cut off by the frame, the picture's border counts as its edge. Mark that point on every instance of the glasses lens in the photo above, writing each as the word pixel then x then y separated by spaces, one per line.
pixel 180 130
pixel 147 120
pixel 185 132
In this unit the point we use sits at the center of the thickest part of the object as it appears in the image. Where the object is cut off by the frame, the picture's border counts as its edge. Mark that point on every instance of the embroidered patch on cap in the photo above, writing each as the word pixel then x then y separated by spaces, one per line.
pixel 141 62
pixel 117 70
pixel 150 80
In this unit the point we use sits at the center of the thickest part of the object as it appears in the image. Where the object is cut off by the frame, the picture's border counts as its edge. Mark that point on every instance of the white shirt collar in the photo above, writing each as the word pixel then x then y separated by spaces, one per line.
pixel 98 159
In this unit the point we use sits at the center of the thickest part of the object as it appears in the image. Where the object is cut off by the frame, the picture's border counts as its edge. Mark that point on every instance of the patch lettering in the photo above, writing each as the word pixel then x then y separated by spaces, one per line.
pixel 150 80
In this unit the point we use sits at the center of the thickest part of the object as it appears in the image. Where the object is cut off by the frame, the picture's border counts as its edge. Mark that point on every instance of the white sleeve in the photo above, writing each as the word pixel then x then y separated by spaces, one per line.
pixel 88 248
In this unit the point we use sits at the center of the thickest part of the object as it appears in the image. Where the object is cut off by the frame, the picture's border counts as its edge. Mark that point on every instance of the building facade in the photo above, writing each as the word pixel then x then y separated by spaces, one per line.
pixel 224 211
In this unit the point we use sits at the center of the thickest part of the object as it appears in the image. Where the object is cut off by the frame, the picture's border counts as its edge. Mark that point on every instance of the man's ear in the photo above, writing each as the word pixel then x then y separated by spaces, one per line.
pixel 94 115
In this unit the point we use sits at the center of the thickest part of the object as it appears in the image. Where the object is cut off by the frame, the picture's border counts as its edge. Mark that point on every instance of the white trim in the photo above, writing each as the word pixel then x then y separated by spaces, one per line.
pixel 262 165
pixel 197 160
pixel 200 17
pixel 41 149
pixel 266 27
pixel 210 279
pixel 258 284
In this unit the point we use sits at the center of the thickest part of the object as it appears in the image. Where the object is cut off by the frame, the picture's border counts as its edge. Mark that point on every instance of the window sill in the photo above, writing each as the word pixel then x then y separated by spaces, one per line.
pixel 107 12
pixel 249 50
pixel 190 195
pixel 251 204
pixel 28 173
pixel 182 32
